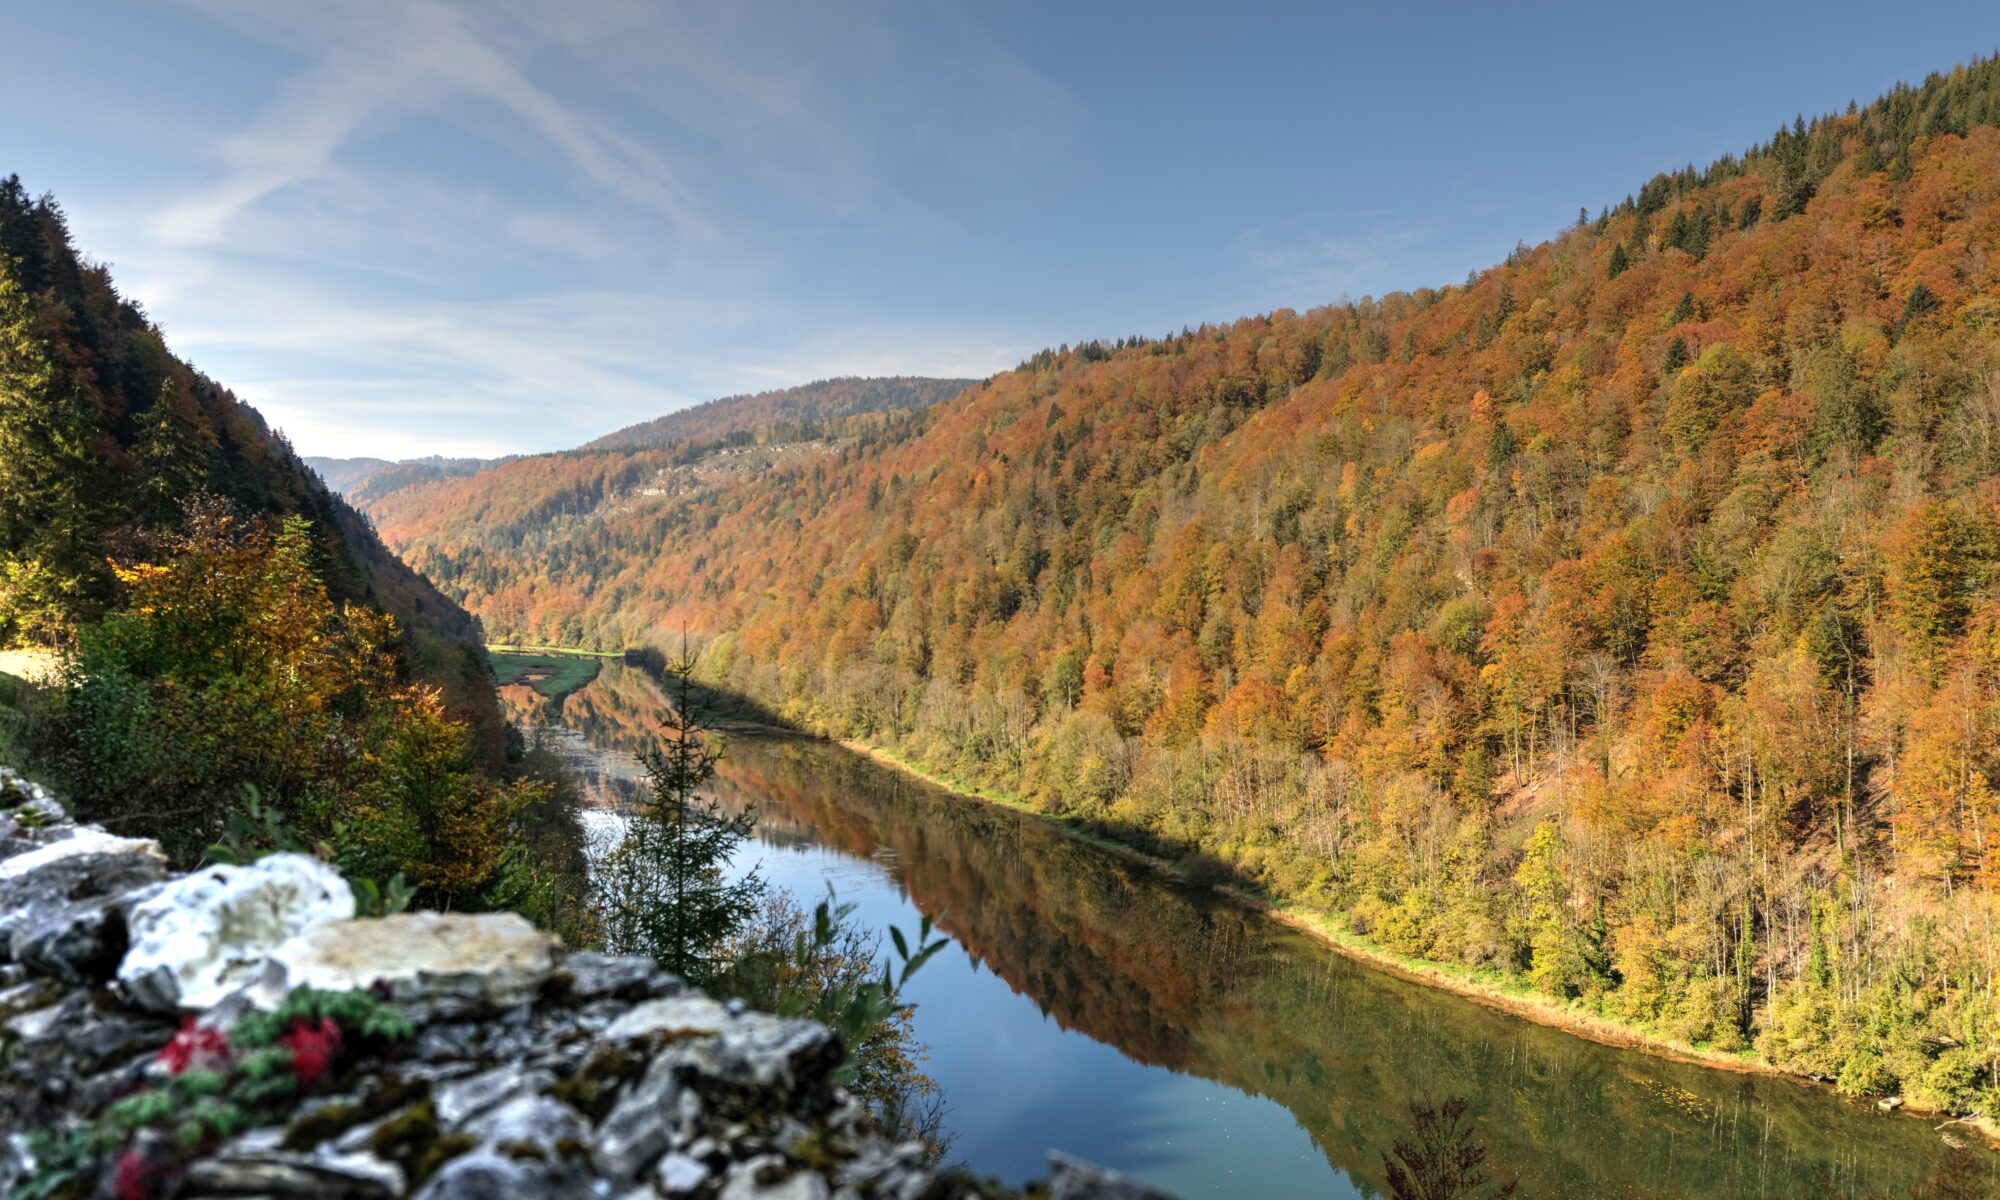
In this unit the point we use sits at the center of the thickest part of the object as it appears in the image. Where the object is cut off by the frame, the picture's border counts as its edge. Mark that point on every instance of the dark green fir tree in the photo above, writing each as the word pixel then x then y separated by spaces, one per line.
pixel 665 889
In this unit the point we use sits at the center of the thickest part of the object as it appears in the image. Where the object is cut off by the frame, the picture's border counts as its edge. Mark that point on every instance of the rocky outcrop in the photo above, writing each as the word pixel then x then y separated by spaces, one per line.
pixel 64 897
pixel 449 1056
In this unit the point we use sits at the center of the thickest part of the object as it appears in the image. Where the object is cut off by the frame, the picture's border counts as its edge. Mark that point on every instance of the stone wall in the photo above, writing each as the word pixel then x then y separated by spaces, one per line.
pixel 472 1055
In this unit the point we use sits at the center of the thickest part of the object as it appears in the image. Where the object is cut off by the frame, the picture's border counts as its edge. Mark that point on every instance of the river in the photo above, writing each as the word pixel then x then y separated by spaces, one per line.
pixel 1089 1005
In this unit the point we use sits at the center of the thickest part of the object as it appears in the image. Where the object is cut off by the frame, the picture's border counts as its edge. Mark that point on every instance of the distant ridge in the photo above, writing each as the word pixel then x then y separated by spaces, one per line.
pixel 343 475
pixel 756 417
pixel 360 479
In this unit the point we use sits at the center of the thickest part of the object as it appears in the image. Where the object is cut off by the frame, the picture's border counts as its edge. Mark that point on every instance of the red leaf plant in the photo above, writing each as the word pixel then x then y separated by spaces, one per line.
pixel 313 1045
pixel 136 1176
pixel 194 1046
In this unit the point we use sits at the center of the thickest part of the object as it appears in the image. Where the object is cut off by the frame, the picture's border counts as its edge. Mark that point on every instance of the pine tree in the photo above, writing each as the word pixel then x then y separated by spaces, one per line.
pixel 1922 303
pixel 1674 359
pixel 1619 262
pixel 173 454
pixel 664 887
pixel 49 569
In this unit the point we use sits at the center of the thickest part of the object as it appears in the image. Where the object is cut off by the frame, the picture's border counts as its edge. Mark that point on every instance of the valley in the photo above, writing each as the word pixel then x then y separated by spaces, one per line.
pixel 1383 730
pixel 1109 1011
pixel 1611 632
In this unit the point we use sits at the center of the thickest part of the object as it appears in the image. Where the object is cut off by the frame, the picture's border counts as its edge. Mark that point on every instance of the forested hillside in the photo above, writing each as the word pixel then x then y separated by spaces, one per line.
pixel 104 434
pixel 1621 620
pixel 597 506
pixel 237 643
pixel 790 414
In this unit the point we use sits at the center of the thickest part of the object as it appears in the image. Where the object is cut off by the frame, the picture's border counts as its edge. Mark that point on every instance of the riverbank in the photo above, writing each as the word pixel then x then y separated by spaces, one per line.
pixel 573 651
pixel 1486 988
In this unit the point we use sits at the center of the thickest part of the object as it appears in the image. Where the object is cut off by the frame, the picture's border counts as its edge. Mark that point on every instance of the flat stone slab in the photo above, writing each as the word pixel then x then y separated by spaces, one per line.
pixel 426 959
pixel 672 1017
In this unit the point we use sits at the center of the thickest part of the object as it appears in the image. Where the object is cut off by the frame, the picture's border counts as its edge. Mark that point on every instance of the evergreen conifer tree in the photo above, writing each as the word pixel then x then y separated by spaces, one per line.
pixel 664 888
pixel 49 489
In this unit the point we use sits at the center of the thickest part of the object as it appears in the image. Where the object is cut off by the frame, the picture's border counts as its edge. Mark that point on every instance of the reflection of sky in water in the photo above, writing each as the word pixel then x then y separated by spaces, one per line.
pixel 1220 996
pixel 1017 1085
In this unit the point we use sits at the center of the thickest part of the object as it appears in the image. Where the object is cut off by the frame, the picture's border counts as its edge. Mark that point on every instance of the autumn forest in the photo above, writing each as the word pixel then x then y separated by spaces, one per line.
pixel 1619 624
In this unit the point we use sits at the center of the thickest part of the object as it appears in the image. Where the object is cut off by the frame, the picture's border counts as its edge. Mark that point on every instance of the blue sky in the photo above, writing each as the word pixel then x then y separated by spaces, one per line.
pixel 486 226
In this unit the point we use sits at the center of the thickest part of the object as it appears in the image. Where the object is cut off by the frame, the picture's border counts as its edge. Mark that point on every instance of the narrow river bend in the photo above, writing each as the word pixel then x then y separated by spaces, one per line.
pixel 1090 1006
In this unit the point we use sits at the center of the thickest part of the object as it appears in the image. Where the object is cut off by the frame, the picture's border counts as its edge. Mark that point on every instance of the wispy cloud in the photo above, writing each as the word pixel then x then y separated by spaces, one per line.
pixel 529 373
pixel 1300 266
pixel 376 61
pixel 447 226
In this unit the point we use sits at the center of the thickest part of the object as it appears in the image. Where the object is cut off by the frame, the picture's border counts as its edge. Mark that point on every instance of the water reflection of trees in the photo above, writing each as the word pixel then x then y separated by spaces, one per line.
pixel 1174 979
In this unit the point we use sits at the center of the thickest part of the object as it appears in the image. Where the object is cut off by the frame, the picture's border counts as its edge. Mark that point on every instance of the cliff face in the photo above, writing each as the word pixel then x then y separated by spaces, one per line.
pixel 239 1031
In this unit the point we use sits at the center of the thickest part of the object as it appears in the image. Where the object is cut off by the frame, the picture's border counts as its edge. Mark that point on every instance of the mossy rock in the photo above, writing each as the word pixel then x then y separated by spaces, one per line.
pixel 594 1088
pixel 328 1121
pixel 412 1140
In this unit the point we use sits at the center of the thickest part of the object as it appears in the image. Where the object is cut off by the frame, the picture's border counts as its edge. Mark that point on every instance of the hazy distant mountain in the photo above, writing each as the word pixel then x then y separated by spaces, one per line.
pixel 343 475
pixel 359 479
pixel 758 417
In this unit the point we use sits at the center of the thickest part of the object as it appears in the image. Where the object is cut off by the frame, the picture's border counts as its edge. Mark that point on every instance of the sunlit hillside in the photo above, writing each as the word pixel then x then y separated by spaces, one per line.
pixel 1619 619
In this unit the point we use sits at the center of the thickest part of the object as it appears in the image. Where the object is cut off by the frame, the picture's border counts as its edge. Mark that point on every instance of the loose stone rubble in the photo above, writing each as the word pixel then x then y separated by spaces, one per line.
pixel 533 1072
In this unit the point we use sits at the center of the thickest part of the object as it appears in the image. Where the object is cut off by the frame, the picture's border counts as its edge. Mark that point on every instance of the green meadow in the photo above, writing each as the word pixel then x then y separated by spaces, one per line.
pixel 553 673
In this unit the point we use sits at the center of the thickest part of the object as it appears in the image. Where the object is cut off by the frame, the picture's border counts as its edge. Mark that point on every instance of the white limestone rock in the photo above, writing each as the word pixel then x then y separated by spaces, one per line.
pixel 62 904
pixel 765 1178
pixel 462 1099
pixel 87 840
pixel 431 963
pixel 1074 1179
pixel 530 1119
pixel 669 1019
pixel 642 1124
pixel 679 1175
pixel 204 935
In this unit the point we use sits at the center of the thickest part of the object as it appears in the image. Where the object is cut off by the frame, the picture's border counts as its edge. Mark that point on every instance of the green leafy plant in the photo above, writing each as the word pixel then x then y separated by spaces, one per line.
pixel 252 833
pixel 219 1084
pixel 361 1014
pixel 62 1158
pixel 372 899
pixel 260 830
pixel 857 1009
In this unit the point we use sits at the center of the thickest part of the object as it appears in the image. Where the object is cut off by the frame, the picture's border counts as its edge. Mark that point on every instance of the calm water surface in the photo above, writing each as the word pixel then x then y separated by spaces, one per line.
pixel 1092 1007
